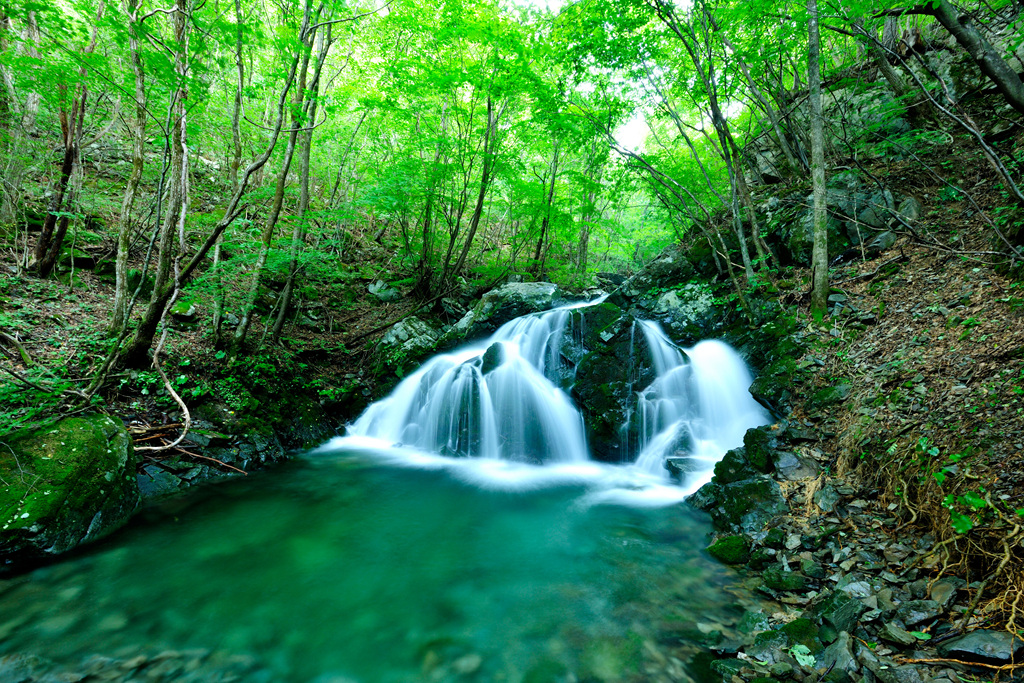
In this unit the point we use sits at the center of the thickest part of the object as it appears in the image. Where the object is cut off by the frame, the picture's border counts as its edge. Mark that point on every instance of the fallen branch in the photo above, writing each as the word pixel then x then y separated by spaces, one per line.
pixel 10 339
pixel 868 276
pixel 33 385
pixel 942 660
pixel 219 462
pixel 150 438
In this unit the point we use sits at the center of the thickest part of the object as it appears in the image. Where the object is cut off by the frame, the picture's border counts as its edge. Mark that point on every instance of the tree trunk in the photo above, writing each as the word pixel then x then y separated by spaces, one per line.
pixel 233 167
pixel 270 227
pixel 236 112
pixel 819 256
pixel 177 187
pixel 137 133
pixel 545 223
pixel 32 100
pixel 301 223
pixel 490 146
pixel 51 238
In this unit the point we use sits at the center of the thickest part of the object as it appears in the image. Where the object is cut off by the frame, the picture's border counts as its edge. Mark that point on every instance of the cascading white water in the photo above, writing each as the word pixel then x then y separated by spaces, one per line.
pixel 699 402
pixel 499 401
pixel 495 400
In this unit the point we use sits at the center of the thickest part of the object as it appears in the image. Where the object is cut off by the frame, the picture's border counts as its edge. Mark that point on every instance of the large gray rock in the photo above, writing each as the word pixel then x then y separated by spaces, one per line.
pixel 501 305
pixel 406 343
pixel 981 644
pixel 383 291
pixel 64 485
pixel 668 270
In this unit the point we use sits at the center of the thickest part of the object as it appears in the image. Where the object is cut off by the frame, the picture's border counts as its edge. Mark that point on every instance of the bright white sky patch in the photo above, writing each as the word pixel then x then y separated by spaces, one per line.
pixel 633 133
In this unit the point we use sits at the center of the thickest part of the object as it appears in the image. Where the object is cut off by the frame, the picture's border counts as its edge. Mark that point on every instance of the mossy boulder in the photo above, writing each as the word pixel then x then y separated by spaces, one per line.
pixel 64 485
pixel 730 550
pixel 759 445
pixel 779 579
pixel 405 345
pixel 773 387
pixel 501 305
pixel 616 364
pixel 733 467
pixel 745 506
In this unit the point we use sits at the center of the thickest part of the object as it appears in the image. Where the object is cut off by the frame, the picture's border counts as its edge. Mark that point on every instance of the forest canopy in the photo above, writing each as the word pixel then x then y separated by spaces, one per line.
pixel 231 144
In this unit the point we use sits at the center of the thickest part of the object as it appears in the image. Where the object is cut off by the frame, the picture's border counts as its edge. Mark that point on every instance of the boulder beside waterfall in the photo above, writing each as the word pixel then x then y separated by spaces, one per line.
pixel 499 306
pixel 64 485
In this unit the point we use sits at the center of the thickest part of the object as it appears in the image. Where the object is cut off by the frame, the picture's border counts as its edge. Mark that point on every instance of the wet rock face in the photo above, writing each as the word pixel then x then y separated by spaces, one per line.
pixel 615 364
pixel 64 485
pixel 742 497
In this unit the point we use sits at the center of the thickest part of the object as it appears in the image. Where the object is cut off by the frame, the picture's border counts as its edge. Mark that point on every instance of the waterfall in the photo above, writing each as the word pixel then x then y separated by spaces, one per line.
pixel 498 399
pixel 500 403
pixel 699 404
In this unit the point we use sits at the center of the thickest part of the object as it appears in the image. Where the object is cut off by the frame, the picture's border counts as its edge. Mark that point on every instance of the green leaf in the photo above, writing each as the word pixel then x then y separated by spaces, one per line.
pixel 940 477
pixel 961 523
pixel 973 500
pixel 921 635
pixel 802 654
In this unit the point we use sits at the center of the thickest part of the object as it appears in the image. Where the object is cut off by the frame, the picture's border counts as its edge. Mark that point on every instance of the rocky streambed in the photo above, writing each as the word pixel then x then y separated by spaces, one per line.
pixel 852 594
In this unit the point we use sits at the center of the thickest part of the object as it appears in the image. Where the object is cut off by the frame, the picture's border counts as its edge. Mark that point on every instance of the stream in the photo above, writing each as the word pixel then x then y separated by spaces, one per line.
pixel 339 567
pixel 460 531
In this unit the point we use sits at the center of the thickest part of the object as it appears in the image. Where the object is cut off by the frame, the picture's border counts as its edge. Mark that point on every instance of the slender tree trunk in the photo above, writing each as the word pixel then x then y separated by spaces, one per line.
pixel 137 133
pixel 55 226
pixel 545 223
pixel 233 168
pixel 32 100
pixel 819 256
pixel 706 73
pixel 135 352
pixel 301 223
pixel 177 186
pixel 780 134
pixel 270 227
pixel 344 159
pixel 490 147
pixel 236 111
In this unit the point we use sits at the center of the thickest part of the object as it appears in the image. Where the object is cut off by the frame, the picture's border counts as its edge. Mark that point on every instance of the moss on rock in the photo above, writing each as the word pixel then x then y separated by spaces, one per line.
pixel 63 485
pixel 730 550
pixel 778 579
pixel 759 445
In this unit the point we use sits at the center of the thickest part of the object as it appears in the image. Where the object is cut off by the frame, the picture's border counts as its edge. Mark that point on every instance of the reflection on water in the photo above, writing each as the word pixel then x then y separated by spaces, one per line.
pixel 336 568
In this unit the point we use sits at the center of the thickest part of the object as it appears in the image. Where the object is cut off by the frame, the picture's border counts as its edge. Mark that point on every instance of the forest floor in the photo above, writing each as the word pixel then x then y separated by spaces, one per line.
pixel 935 413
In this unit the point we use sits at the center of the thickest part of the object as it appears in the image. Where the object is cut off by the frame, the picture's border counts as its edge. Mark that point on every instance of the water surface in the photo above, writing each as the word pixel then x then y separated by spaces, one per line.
pixel 340 567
